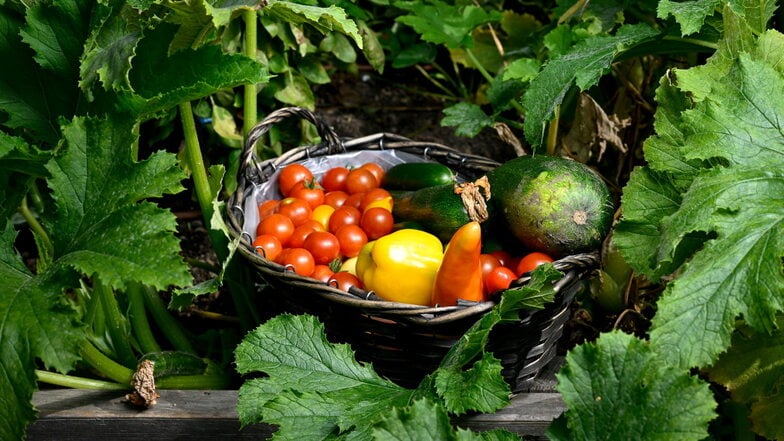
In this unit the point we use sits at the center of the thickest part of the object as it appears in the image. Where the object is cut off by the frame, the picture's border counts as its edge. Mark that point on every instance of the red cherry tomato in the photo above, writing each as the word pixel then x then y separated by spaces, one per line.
pixel 268 207
pixel 505 258
pixel 344 215
pixel 373 195
pixel 324 246
pixel 277 225
pixel 335 198
pixel 322 273
pixel 498 278
pixel 297 239
pixel 335 179
pixel 298 259
pixel 376 222
pixel 488 262
pixel 292 174
pixel 352 238
pixel 354 200
pixel 344 280
pixel 377 170
pixel 310 192
pixel 530 261
pixel 360 180
pixel 298 210
pixel 268 246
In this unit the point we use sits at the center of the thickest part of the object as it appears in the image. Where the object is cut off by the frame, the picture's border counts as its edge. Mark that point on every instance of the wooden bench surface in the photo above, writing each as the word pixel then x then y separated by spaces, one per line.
pixel 68 414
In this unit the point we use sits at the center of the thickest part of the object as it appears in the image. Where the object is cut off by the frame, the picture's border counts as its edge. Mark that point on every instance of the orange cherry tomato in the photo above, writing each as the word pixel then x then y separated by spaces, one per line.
pixel 277 225
pixel 377 170
pixel 268 207
pixel 268 246
pixel 298 259
pixel 322 273
pixel 298 210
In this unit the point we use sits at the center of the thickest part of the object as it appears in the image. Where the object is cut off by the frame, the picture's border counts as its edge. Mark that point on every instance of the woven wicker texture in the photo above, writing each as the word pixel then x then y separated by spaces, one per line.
pixel 404 342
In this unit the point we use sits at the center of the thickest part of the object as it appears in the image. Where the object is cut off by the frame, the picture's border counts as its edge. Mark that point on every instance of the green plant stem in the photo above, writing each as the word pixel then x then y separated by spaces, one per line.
pixel 489 78
pixel 238 283
pixel 694 41
pixel 250 17
pixel 137 314
pixel 48 249
pixel 195 162
pixel 193 382
pixel 105 365
pixel 169 326
pixel 118 329
pixel 552 131
pixel 74 382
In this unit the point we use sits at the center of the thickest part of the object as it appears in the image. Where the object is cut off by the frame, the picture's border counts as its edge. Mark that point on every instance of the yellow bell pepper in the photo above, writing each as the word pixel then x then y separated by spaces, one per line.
pixel 401 266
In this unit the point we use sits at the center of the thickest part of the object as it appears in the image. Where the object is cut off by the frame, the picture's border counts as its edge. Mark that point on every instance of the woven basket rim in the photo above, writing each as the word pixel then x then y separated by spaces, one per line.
pixel 253 171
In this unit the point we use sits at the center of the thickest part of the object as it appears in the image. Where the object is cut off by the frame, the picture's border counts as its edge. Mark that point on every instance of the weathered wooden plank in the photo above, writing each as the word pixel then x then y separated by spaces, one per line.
pixel 67 414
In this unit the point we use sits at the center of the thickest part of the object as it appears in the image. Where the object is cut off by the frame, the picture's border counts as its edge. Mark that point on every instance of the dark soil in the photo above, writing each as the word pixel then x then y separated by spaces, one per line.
pixel 366 104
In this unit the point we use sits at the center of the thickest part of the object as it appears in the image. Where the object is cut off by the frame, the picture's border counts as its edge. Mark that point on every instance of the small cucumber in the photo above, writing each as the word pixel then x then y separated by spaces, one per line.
pixel 438 209
pixel 417 175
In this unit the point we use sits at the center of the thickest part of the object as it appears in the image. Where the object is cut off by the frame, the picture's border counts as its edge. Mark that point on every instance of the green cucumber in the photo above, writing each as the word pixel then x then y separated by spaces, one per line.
pixel 551 204
pixel 438 209
pixel 417 175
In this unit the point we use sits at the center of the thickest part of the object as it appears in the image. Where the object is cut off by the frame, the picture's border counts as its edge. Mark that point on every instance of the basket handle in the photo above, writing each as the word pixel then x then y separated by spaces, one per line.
pixel 250 162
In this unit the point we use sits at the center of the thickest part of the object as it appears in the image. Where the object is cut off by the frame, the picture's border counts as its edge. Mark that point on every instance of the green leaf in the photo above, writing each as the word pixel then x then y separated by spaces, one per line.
pixel 31 98
pixel 689 14
pixel 459 388
pixel 752 370
pixel 734 134
pixel 468 118
pixel 522 69
pixel 314 388
pixel 617 388
pixel 109 48
pixel 424 420
pixel 20 163
pixel 441 23
pixel 162 81
pixel 326 20
pixel 37 322
pixel 56 32
pixel 371 47
pixel 738 273
pixel 583 65
pixel 101 224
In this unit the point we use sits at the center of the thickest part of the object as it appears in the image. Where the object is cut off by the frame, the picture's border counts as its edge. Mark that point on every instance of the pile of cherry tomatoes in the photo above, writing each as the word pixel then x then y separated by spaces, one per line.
pixel 318 226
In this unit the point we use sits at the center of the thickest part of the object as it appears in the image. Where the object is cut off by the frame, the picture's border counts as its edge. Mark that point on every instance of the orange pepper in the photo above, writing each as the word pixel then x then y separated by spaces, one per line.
pixel 460 273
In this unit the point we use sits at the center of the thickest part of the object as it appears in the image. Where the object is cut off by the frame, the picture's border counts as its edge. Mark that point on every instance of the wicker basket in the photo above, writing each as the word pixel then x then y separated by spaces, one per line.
pixel 404 342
